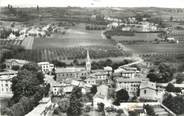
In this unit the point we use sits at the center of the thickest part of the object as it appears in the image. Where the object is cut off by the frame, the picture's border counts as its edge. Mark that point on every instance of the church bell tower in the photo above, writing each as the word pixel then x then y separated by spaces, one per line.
pixel 88 62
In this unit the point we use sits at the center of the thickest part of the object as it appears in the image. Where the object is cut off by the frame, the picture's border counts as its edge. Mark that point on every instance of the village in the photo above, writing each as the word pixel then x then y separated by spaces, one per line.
pixel 137 90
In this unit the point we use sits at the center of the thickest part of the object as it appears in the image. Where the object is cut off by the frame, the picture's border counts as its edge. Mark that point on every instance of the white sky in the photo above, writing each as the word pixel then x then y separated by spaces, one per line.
pixel 95 3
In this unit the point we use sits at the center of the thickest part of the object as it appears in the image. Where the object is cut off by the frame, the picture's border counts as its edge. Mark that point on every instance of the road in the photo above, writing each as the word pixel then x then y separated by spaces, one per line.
pixel 102 35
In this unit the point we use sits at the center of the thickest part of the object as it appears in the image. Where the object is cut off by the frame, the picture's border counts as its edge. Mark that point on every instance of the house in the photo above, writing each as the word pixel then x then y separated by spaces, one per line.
pixel 12 36
pixel 131 85
pixel 126 71
pixel 102 96
pixel 46 67
pixel 91 81
pixel 68 89
pixel 108 69
pixel 148 90
pixel 70 73
pixel 159 109
pixel 5 85
pixel 15 62
pixel 57 89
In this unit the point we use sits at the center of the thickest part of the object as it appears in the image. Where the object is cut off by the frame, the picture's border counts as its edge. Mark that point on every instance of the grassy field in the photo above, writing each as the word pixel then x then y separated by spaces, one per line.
pixel 73 37
pixel 157 48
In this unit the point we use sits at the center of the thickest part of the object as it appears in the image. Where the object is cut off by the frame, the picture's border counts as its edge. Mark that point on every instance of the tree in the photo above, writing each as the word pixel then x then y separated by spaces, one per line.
pixel 149 110
pixel 179 78
pixel 27 82
pixel 2 66
pixel 108 62
pixel 75 62
pixel 170 88
pixel 101 108
pixel 25 101
pixel 64 104
pixel 58 63
pixel 15 67
pixel 93 89
pixel 33 67
pixel 7 112
pixel 175 104
pixel 75 102
pixel 121 96
pixel 171 18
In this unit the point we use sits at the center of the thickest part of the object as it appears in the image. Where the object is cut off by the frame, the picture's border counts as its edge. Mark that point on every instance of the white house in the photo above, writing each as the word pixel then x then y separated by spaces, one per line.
pixel 5 85
pixel 46 67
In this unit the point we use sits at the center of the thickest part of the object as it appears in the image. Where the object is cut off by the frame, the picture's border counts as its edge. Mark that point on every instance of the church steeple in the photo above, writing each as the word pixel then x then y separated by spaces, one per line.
pixel 88 62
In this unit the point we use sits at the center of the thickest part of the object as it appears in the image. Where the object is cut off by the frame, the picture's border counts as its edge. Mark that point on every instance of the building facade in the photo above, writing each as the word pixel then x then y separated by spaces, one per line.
pixel 70 73
pixel 5 85
pixel 148 90
pixel 131 85
pixel 15 62
pixel 46 67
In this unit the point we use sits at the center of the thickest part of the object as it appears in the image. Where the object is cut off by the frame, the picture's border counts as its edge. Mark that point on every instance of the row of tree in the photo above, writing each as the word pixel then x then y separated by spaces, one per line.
pixel 94 65
pixel 10 52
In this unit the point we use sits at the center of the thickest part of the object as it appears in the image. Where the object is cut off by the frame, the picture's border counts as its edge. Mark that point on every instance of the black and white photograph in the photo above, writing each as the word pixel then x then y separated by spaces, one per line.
pixel 91 57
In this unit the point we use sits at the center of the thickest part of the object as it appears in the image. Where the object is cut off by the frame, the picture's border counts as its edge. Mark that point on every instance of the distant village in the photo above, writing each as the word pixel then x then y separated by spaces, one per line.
pixel 63 80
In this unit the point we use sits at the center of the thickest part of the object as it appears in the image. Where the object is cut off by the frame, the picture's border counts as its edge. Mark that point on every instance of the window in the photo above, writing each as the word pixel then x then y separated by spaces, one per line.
pixel 144 91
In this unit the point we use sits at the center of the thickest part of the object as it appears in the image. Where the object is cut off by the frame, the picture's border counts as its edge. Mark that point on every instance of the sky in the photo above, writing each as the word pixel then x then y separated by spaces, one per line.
pixel 95 3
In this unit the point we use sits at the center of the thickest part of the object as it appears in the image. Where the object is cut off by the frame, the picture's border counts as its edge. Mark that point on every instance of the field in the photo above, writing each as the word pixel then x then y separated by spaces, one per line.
pixel 10 42
pixel 137 37
pixel 73 44
pixel 144 45
pixel 157 48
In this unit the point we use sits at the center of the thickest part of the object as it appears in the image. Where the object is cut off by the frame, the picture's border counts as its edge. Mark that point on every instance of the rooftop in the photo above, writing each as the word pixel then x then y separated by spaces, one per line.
pixel 43 63
pixel 147 84
pixel 120 79
pixel 9 72
pixel 18 61
pixel 6 77
pixel 70 69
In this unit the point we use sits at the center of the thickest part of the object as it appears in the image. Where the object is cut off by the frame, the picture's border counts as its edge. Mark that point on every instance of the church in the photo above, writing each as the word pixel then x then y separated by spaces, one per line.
pixel 69 73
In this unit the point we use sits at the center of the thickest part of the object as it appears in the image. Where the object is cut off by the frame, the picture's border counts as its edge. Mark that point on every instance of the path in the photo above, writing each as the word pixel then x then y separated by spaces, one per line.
pixel 102 35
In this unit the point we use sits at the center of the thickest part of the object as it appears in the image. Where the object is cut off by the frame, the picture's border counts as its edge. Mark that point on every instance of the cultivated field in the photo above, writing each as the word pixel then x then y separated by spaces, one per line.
pixel 137 36
pixel 73 44
pixel 144 45
pixel 10 42
pixel 73 37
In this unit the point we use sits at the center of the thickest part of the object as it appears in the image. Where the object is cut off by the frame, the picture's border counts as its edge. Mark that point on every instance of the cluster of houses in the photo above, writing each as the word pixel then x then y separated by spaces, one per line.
pixel 34 31
pixel 131 24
